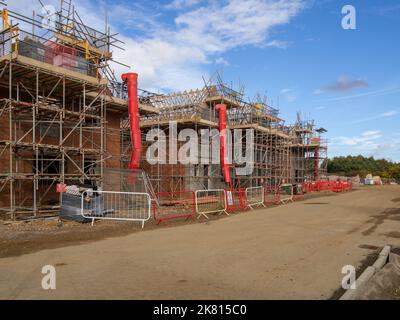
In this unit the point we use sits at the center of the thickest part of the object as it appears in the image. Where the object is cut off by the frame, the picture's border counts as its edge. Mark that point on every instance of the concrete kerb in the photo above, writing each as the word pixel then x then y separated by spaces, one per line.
pixel 351 294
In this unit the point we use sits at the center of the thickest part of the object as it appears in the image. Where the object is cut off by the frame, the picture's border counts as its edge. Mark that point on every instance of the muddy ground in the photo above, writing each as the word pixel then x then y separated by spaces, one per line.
pixel 295 251
pixel 22 237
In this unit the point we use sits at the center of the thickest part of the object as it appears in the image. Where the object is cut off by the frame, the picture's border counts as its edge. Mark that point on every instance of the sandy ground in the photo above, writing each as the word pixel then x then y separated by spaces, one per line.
pixel 295 251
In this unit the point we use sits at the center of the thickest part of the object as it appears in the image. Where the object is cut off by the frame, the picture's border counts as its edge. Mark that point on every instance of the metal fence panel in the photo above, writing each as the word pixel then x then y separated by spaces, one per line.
pixel 210 201
pixel 236 200
pixel 286 193
pixel 271 196
pixel 335 186
pixel 71 207
pixel 255 197
pixel 113 205
pixel 174 205
pixel 298 193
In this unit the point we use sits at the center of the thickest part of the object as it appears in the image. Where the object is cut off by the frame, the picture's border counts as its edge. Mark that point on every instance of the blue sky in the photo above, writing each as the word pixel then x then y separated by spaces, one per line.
pixel 294 51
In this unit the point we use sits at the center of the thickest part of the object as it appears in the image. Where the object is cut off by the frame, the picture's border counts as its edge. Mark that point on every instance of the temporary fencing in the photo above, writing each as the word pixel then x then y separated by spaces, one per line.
pixel 236 200
pixel 286 193
pixel 113 205
pixel 210 201
pixel 174 205
pixel 255 197
pixel 335 186
pixel 298 193
pixel 271 195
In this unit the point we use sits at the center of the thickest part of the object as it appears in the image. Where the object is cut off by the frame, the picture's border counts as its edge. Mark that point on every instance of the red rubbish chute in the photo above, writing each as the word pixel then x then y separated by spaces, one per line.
pixel 133 109
pixel 223 142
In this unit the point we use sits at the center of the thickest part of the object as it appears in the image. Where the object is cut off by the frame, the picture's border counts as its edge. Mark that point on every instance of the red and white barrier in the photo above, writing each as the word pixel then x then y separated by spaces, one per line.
pixel 174 205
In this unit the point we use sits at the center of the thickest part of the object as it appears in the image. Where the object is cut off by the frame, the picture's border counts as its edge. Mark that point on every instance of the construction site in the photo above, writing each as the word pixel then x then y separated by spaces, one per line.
pixel 81 143
pixel 65 121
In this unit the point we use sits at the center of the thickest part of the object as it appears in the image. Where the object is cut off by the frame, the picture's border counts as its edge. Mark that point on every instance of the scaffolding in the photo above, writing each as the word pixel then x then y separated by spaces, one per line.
pixel 279 151
pixel 271 144
pixel 186 109
pixel 54 98
pixel 309 152
pixel 64 120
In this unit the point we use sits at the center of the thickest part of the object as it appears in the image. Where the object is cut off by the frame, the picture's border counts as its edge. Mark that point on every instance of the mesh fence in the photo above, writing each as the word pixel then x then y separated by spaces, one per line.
pixel 255 197
pixel 109 205
pixel 286 193
pixel 174 205
pixel 210 201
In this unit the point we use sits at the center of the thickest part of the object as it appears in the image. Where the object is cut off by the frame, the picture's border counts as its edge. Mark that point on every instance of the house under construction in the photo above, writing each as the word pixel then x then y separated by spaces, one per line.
pixel 281 154
pixel 64 119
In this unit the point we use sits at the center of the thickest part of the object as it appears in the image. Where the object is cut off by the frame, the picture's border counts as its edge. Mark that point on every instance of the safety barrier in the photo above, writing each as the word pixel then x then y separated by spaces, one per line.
pixel 236 200
pixel 286 193
pixel 210 201
pixel 255 197
pixel 271 196
pixel 298 193
pixel 312 186
pixel 113 205
pixel 306 187
pixel 347 185
pixel 335 186
pixel 174 205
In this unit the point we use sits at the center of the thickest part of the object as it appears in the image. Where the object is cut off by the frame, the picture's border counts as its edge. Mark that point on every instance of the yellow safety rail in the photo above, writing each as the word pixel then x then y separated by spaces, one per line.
pixel 16 34
pixel 14 31
pixel 4 15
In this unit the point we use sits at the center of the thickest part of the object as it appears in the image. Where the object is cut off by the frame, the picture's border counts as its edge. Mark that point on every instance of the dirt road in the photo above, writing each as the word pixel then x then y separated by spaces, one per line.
pixel 295 251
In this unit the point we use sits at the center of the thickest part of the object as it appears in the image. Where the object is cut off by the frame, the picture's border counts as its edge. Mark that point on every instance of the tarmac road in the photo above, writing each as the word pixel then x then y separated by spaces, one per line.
pixel 295 251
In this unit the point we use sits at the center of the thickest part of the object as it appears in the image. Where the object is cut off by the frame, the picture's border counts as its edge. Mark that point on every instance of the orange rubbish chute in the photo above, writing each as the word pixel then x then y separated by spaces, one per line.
pixel 133 109
pixel 223 143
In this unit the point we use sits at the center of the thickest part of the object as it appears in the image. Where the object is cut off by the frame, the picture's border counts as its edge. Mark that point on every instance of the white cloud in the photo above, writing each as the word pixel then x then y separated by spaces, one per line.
pixel 162 65
pixel 372 133
pixel 176 56
pixel 290 94
pixel 181 4
pixel 240 22
pixel 365 140
pixel 343 84
pixel 277 44
pixel 383 115
pixel 376 93
pixel 369 143
pixel 389 113
pixel 222 61
pixel 183 51
pixel 286 90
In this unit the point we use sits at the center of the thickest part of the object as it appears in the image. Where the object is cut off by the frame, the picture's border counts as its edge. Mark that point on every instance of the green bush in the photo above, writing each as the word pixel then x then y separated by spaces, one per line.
pixel 359 165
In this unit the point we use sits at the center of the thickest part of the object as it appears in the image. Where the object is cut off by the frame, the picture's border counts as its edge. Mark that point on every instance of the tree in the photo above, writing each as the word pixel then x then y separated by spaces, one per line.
pixel 359 165
pixel 393 172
